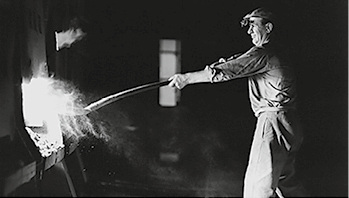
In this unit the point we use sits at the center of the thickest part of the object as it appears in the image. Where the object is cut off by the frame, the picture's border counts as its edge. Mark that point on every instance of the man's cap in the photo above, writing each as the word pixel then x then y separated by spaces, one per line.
pixel 259 13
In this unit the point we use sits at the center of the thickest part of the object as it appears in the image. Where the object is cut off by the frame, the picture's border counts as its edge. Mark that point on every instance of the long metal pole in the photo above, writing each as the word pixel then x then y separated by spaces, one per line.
pixel 117 96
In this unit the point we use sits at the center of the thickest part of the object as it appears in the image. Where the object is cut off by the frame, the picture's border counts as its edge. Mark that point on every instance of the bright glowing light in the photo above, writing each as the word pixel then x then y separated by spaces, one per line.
pixel 54 105
pixel 65 39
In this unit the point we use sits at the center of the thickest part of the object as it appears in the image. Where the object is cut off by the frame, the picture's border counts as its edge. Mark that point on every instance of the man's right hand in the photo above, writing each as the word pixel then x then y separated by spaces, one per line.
pixel 179 81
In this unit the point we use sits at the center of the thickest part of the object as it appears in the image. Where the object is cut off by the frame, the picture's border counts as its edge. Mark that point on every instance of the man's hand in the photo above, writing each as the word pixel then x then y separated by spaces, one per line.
pixel 179 81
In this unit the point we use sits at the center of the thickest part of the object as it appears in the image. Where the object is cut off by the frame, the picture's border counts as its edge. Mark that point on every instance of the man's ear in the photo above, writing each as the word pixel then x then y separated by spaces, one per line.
pixel 269 27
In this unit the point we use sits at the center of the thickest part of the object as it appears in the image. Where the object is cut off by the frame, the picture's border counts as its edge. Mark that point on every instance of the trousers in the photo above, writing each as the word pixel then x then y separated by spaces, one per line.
pixel 271 166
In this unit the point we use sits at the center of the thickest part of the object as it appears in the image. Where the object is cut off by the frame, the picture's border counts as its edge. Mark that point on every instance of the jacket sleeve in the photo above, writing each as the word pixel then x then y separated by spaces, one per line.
pixel 252 62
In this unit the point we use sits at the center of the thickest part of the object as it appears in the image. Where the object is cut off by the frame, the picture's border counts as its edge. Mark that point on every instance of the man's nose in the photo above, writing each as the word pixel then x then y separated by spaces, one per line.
pixel 249 31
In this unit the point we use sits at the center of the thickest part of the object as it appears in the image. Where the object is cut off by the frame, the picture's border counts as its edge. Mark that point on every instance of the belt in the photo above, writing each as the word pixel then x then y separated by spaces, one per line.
pixel 267 109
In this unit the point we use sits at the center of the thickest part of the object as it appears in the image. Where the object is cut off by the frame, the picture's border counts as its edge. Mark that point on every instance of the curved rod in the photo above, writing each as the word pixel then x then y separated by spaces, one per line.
pixel 117 96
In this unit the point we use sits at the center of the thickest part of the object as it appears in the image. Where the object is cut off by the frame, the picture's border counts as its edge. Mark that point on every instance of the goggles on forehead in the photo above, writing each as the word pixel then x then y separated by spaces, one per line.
pixel 245 22
pixel 258 13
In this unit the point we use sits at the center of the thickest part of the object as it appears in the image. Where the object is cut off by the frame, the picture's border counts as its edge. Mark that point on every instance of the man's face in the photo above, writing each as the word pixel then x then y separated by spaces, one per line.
pixel 257 31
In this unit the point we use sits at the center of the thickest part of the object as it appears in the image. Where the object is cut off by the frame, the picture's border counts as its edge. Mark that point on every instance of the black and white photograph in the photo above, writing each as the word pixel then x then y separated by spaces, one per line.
pixel 174 98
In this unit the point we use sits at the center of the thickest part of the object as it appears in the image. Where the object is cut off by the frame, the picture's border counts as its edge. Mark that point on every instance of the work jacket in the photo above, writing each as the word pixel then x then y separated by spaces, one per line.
pixel 271 81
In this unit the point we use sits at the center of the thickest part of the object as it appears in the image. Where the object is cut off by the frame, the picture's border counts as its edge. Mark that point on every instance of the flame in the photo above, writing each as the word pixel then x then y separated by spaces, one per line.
pixel 55 105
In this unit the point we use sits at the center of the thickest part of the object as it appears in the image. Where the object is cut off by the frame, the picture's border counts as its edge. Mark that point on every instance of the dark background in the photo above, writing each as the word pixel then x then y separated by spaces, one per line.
pixel 123 50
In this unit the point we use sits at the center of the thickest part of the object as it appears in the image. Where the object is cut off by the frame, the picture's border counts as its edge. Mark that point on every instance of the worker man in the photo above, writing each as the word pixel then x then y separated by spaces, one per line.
pixel 272 93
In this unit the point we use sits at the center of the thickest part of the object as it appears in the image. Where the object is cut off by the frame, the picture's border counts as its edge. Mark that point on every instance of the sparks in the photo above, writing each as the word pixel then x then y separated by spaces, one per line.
pixel 55 106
